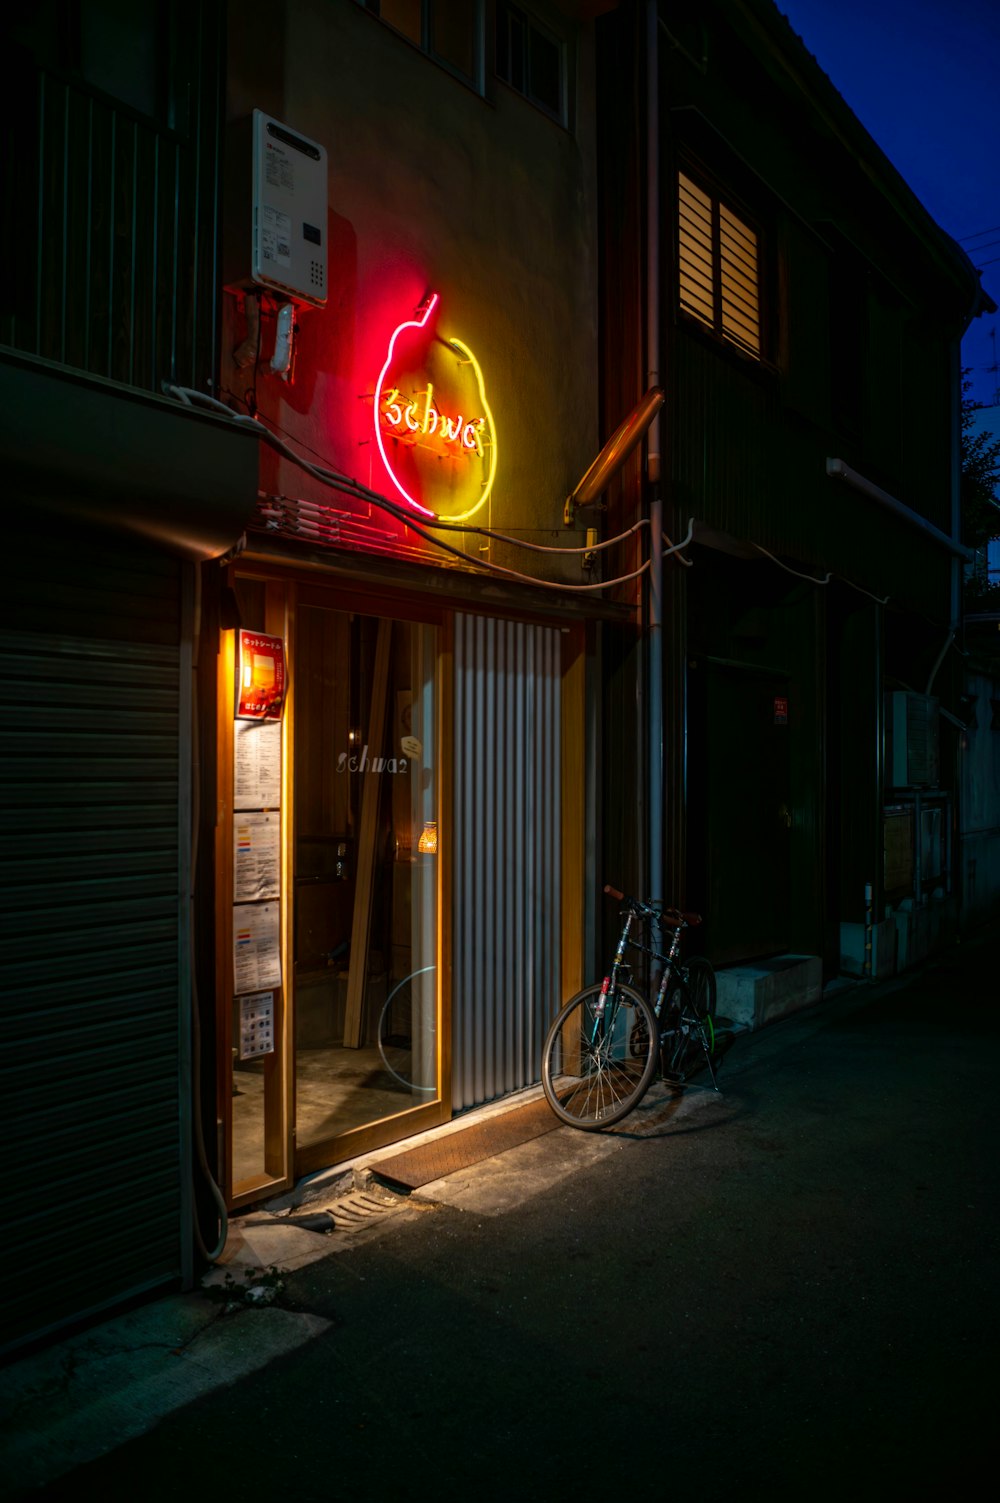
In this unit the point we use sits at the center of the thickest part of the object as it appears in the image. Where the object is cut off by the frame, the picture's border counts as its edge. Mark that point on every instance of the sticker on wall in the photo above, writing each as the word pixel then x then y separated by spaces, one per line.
pixel 433 423
pixel 260 692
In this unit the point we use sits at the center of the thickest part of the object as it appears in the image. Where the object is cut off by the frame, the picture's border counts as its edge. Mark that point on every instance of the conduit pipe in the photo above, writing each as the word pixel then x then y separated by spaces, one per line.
pixel 841 471
pixel 654 656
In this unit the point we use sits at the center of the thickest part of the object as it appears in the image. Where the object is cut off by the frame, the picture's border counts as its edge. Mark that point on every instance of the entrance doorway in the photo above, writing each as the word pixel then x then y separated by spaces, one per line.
pixel 351 1011
pixel 365 872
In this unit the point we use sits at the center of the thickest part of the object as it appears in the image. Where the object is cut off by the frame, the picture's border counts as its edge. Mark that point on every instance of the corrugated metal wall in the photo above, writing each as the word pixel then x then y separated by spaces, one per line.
pixel 507 853
pixel 95 1010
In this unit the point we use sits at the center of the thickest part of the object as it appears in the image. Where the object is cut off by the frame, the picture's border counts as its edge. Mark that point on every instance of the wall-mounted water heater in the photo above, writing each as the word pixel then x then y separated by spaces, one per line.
pixel 289 212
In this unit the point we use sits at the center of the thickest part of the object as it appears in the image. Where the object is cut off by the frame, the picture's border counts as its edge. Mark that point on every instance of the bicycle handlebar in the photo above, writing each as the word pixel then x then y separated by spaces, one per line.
pixel 673 916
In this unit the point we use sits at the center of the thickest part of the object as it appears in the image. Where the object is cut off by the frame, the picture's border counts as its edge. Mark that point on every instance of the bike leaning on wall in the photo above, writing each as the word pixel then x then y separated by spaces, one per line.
pixel 603 1049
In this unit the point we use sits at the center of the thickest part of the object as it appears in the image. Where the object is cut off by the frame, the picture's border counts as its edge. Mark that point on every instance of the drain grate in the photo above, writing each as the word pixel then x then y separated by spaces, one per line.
pixel 360 1208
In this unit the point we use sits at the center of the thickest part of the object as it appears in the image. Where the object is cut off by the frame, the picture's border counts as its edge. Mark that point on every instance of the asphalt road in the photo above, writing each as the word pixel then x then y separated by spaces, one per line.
pixel 786 1293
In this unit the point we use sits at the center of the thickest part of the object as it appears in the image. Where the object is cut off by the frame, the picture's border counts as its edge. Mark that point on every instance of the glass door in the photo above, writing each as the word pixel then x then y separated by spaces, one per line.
pixel 364 875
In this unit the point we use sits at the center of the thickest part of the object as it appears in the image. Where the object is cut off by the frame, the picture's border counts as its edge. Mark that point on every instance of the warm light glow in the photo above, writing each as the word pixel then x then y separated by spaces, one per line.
pixel 420 322
pixel 428 842
pixel 417 420
pixel 463 349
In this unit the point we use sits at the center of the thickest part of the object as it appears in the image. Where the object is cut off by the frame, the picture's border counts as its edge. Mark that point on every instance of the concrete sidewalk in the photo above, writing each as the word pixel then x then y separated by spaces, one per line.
pixel 80 1398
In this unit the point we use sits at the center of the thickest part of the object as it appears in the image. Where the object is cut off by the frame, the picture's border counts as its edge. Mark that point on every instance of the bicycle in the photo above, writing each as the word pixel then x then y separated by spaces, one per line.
pixel 601 1051
pixel 406 1035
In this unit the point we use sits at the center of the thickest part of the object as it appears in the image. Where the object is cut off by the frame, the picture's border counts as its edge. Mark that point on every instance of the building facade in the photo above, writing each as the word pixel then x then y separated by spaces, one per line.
pixel 329 715
pixel 807 326
pixel 300 372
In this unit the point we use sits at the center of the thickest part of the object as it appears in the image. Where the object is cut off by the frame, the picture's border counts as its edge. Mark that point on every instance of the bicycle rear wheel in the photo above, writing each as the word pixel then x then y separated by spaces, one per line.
pixel 599 1057
pixel 688 1041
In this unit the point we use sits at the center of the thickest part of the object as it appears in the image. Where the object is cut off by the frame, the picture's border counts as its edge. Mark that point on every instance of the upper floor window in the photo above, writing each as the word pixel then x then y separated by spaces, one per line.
pixel 719 270
pixel 531 59
pixel 449 31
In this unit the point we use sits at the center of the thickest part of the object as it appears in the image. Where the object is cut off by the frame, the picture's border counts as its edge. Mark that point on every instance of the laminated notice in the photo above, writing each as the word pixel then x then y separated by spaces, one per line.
pixel 256 956
pixel 256 857
pixel 257 764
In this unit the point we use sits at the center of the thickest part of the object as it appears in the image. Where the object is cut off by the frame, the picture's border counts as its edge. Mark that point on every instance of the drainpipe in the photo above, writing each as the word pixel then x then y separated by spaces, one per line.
pixel 654 657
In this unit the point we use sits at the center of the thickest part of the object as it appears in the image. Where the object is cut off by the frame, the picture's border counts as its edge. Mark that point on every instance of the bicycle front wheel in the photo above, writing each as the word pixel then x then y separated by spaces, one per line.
pixel 599 1057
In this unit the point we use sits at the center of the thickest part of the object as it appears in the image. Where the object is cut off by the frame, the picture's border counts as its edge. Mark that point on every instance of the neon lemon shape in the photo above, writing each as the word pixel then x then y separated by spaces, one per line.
pixel 454 429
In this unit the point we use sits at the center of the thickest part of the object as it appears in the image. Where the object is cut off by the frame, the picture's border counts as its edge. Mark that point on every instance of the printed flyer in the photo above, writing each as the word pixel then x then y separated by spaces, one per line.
pixel 261 689
pixel 256 857
pixel 256 958
pixel 257 764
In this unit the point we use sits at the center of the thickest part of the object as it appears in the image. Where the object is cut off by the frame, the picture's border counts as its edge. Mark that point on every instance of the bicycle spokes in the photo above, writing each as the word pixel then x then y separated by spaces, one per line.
pixel 599 1057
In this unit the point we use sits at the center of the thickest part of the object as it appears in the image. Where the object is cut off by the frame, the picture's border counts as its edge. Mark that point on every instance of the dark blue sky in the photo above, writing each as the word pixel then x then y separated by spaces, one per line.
pixel 923 77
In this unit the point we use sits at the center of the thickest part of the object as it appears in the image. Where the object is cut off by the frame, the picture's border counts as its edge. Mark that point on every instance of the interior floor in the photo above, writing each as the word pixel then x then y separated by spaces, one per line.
pixel 336 1089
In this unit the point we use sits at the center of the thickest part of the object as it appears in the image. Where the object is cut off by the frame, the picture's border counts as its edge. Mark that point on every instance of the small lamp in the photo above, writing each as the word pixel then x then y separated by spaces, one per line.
pixel 428 843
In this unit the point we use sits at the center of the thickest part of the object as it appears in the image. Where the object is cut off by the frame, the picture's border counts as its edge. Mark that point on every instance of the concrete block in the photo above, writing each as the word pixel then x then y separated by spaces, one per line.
pixel 753 995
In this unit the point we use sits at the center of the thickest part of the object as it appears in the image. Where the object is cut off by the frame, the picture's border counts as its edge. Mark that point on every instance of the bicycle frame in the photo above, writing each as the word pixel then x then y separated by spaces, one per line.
pixel 669 961
pixel 673 970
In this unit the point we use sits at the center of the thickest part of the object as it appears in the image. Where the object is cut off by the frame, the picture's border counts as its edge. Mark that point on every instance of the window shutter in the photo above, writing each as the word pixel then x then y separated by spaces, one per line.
pixel 718 270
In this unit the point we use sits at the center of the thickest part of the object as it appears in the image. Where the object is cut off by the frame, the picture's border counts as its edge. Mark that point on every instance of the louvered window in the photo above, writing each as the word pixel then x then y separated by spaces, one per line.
pixel 719 272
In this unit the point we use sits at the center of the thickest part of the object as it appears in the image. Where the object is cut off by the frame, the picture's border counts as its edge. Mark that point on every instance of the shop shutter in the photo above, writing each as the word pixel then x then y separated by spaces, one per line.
pixel 507 853
pixel 96 976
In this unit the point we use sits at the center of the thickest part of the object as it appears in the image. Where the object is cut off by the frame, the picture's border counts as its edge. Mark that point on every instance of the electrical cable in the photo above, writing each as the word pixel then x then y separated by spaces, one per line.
pixel 486 532
pixel 198 1124
pixel 351 487
pixel 672 547
pixel 789 570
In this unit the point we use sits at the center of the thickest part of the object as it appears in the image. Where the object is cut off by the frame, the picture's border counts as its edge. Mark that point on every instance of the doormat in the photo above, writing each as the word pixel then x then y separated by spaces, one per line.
pixel 457 1150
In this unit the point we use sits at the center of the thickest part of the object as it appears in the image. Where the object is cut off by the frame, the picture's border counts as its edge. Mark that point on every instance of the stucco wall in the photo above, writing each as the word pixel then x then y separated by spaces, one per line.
pixel 485 200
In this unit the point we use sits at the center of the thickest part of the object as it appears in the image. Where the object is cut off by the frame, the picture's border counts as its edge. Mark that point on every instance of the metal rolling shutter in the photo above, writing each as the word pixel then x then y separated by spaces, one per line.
pixel 95 968
pixel 507 853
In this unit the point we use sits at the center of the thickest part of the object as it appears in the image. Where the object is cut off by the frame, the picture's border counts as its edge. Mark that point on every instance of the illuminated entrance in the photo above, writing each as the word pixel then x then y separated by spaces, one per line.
pixel 334 1032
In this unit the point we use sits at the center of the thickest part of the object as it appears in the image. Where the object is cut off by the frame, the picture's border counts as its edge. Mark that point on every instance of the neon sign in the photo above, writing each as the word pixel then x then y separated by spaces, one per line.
pixel 433 424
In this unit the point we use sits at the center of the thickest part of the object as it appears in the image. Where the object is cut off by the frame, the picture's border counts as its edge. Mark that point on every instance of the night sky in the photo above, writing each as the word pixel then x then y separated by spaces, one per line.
pixel 923 77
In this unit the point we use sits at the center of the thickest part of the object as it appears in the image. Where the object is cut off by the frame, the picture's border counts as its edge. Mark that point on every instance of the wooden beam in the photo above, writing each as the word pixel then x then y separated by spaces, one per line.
pixel 365 871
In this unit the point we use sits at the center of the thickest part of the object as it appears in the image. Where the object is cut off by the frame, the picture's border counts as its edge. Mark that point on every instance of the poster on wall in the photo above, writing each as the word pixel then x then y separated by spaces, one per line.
pixel 257 764
pixel 260 693
pixel 256 959
pixel 256 857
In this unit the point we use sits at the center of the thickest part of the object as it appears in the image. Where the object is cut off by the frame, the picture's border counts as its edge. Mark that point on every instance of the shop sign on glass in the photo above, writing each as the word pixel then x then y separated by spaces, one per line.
pixel 260 691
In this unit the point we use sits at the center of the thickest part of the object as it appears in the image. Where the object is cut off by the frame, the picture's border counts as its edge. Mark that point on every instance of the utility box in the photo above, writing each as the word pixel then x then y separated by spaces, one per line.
pixel 276 219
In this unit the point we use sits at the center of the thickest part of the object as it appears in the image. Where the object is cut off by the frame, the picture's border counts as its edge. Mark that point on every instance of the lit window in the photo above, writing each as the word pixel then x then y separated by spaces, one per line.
pixel 449 31
pixel 719 273
pixel 531 60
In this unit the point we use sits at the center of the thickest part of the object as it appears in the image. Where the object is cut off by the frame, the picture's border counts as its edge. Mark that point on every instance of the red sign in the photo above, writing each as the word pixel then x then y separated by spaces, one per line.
pixel 780 710
pixel 260 692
